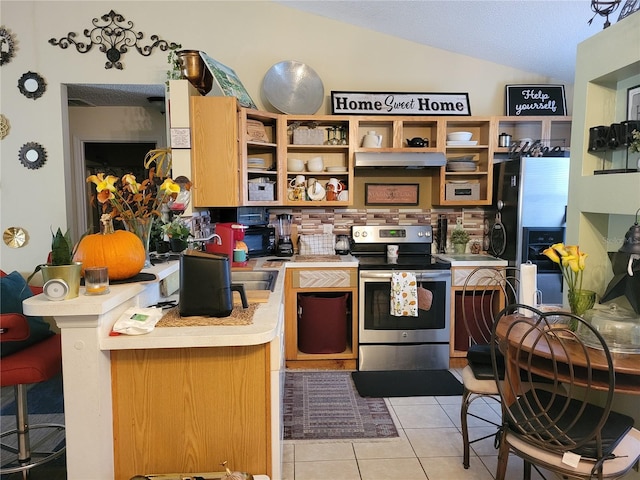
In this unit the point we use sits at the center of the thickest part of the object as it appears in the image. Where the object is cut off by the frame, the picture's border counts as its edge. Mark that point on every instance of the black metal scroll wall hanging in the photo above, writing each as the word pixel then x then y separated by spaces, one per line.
pixel 114 37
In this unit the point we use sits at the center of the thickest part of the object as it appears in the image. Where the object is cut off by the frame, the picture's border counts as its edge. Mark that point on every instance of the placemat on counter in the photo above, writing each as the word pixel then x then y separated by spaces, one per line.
pixel 239 316
pixel 140 277
pixel 317 258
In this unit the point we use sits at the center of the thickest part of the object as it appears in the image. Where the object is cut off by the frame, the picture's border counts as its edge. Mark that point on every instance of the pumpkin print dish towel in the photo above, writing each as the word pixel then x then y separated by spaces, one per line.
pixel 404 294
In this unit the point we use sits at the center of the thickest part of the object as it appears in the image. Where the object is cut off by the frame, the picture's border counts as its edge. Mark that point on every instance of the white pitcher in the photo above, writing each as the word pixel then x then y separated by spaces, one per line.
pixel 371 140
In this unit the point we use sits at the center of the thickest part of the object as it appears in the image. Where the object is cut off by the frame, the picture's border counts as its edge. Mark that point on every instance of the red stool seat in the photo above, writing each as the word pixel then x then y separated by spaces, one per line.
pixel 35 364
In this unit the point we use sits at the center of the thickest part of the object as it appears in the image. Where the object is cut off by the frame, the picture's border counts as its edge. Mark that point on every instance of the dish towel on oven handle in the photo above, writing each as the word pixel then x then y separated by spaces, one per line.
pixel 404 294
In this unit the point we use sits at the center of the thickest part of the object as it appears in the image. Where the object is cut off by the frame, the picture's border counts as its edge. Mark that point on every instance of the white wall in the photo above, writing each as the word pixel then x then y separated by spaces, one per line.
pixel 247 36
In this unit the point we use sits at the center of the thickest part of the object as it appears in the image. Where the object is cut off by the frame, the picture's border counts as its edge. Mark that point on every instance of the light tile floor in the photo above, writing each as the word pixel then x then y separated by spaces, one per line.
pixel 429 447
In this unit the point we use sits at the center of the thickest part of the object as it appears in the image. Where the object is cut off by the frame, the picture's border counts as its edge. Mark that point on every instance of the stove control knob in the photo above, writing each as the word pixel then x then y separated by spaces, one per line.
pixel 364 234
pixel 405 334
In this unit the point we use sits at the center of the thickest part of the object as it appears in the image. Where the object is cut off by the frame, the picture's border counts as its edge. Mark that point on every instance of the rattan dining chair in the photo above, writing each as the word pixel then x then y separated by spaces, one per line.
pixel 551 424
pixel 485 292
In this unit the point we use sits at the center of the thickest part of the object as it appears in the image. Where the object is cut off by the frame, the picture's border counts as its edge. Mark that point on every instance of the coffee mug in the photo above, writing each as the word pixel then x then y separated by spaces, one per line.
pixel 297 193
pixel 335 185
pixel 297 181
pixel 239 255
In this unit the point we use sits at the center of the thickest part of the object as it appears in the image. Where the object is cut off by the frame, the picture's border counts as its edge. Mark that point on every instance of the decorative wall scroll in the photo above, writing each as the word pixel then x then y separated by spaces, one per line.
pixel 391 193
pixel 32 85
pixel 7 44
pixel 32 155
pixel 628 8
pixel 114 38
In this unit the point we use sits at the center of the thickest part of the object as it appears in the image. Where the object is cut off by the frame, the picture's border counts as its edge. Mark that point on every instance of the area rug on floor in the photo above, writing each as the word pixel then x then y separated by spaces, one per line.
pixel 325 405
pixel 407 383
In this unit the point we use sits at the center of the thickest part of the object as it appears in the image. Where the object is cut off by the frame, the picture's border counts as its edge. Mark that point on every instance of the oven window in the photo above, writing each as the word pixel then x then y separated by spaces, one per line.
pixel 377 306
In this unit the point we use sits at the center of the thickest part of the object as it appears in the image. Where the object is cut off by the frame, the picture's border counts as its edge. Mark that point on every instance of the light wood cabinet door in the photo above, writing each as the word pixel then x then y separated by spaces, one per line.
pixel 214 152
pixel 187 410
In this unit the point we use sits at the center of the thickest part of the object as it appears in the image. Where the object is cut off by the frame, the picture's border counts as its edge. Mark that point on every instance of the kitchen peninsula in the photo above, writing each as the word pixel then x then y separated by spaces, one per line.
pixel 155 403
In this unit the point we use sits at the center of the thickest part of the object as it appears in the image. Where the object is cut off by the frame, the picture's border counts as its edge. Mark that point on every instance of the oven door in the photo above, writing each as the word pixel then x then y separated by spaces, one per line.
pixel 377 325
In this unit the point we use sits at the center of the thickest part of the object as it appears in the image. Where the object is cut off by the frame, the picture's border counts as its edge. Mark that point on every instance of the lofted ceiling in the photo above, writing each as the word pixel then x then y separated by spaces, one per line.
pixel 538 36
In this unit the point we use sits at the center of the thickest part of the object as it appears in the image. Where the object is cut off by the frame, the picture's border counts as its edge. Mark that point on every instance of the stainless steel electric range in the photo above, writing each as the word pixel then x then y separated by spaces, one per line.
pixel 388 342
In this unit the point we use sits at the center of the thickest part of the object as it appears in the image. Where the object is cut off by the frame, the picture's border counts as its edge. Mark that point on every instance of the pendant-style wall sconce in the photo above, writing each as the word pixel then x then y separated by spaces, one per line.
pixel 114 38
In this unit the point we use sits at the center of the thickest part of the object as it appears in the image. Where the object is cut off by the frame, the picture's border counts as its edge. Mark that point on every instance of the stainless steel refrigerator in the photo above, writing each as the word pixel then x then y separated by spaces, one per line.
pixel 530 196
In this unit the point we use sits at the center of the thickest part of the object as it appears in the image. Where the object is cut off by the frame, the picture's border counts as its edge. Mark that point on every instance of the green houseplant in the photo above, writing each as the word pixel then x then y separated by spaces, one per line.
pixel 178 233
pixel 60 263
pixel 459 239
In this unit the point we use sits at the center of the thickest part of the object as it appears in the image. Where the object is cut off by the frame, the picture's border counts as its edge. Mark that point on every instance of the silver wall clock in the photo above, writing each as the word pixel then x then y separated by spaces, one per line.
pixel 32 85
pixel 32 155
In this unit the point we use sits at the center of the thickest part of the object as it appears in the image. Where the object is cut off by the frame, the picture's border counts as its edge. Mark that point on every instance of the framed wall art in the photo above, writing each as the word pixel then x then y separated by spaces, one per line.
pixel 391 193
pixel 633 103
pixel 544 99
pixel 226 82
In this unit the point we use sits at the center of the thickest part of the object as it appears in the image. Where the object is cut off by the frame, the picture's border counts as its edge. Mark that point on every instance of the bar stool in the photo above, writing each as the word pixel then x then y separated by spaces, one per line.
pixel 35 363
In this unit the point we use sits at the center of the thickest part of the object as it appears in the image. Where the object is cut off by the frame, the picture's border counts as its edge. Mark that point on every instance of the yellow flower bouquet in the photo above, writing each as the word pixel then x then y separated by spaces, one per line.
pixel 128 198
pixel 136 204
pixel 572 262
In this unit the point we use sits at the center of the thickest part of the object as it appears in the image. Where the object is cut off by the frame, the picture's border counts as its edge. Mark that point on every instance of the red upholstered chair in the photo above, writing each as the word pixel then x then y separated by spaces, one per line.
pixel 36 362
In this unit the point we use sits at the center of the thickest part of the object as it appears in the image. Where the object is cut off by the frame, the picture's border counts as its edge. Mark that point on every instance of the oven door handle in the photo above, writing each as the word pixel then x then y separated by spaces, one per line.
pixel 422 276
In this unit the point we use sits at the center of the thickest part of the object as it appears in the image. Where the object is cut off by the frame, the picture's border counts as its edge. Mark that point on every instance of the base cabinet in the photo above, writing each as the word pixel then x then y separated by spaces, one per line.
pixel 321 328
pixel 459 342
pixel 186 410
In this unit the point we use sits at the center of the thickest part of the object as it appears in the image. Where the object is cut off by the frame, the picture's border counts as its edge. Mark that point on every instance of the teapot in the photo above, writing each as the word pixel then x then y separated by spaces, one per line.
pixel 418 142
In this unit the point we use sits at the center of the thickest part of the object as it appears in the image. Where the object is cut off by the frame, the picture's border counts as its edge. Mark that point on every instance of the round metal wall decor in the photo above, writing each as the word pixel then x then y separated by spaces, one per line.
pixel 15 237
pixel 293 88
pixel 32 155
pixel 32 85
pixel 4 126
pixel 7 43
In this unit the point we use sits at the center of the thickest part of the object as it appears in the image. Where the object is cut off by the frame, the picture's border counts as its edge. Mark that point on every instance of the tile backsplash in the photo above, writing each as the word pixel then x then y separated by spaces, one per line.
pixel 310 221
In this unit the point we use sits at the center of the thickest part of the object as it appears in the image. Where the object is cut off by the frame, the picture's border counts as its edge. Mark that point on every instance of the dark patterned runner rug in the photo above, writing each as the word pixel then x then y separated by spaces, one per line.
pixel 325 405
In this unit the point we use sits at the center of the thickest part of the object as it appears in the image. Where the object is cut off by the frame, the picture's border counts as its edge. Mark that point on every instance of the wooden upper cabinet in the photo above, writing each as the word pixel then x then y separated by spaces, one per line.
pixel 214 152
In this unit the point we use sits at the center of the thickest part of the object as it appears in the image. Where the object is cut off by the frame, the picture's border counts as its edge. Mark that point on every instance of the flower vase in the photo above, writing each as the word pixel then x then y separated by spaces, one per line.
pixel 141 226
pixel 580 301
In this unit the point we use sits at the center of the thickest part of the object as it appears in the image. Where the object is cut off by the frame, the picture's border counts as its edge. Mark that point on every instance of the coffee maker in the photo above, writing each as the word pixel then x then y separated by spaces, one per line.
pixel 283 230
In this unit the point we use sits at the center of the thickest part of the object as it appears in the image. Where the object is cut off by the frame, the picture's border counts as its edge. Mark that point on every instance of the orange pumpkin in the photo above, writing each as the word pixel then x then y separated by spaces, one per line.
pixel 120 251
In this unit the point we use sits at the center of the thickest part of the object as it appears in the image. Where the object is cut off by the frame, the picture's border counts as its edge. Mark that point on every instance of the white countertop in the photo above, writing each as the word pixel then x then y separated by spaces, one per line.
pixel 472 260
pixel 104 310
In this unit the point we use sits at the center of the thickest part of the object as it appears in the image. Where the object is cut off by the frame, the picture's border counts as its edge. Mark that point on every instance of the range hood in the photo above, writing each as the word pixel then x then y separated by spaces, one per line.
pixel 400 159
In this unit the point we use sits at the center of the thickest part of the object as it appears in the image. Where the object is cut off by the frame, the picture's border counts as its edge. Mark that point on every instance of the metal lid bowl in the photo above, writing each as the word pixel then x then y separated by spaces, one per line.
pixel 293 88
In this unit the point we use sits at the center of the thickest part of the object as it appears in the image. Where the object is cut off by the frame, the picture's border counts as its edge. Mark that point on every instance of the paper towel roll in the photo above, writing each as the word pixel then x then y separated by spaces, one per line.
pixel 528 287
